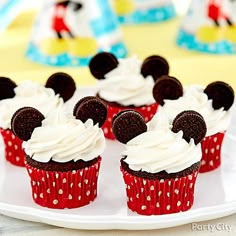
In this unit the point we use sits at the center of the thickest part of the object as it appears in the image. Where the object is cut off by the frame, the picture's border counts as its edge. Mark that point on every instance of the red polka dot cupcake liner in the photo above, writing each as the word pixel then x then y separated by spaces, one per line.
pixel 13 148
pixel 60 190
pixel 211 152
pixel 147 112
pixel 158 197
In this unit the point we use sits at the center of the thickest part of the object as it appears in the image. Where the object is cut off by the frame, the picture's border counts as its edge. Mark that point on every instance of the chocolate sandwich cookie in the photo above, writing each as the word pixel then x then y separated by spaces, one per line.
pixel 84 99
pixel 192 124
pixel 24 121
pixel 102 63
pixel 7 87
pixel 221 93
pixel 91 108
pixel 128 124
pixel 80 102
pixel 120 113
pixel 63 84
pixel 167 87
pixel 156 66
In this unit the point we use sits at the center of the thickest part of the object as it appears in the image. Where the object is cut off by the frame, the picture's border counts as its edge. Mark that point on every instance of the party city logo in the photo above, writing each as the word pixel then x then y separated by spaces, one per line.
pixel 211 227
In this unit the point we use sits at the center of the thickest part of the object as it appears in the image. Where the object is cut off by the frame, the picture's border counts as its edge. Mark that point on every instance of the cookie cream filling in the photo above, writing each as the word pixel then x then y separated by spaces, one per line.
pixel 126 85
pixel 195 99
pixel 63 138
pixel 28 93
pixel 160 149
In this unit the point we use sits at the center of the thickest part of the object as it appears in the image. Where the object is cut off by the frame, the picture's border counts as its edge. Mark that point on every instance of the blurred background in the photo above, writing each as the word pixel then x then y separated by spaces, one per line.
pixel 142 40
pixel 181 5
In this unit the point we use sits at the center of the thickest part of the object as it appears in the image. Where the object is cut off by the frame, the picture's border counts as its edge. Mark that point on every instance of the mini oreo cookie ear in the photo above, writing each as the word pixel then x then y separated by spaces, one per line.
pixel 63 84
pixel 80 102
pixel 7 88
pixel 91 108
pixel 102 63
pixel 156 66
pixel 24 121
pixel 192 124
pixel 128 124
pixel 167 87
pixel 221 93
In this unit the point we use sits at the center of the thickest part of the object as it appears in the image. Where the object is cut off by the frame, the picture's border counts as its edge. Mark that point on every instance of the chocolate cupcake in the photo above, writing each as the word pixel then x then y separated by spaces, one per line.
pixel 213 102
pixel 160 165
pixel 127 84
pixel 63 154
pixel 58 89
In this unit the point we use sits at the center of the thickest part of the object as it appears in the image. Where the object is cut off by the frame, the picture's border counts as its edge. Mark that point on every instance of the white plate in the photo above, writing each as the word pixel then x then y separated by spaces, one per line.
pixel 215 194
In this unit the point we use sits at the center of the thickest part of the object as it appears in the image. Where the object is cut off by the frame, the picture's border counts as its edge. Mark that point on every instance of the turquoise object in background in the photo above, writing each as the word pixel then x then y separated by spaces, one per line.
pixel 9 9
pixel 143 11
pixel 209 26
pixel 69 33
pixel 189 41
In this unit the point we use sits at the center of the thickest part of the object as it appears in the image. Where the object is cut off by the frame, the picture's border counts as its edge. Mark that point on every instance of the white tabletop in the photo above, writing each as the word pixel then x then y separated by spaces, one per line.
pixel 222 226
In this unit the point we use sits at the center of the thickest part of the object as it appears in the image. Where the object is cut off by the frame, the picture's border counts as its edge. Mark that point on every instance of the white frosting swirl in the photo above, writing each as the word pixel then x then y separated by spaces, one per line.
pixel 160 149
pixel 195 99
pixel 126 85
pixel 29 93
pixel 62 138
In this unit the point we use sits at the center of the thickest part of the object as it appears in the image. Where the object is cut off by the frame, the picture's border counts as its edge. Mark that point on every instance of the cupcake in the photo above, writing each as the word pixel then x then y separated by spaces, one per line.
pixel 127 84
pixel 213 102
pixel 161 162
pixel 143 11
pixel 209 27
pixel 58 89
pixel 63 153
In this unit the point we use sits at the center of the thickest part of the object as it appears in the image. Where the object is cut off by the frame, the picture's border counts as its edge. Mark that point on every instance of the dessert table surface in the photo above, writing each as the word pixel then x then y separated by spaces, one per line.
pixel 142 40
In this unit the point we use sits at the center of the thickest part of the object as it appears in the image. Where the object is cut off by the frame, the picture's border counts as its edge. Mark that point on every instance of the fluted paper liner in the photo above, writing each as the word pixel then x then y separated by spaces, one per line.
pixel 13 148
pixel 211 152
pixel 158 197
pixel 59 190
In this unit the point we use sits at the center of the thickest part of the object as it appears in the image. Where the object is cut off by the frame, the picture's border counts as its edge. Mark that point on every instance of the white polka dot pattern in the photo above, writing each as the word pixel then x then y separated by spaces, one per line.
pixel 211 152
pixel 62 190
pixel 156 197
pixel 13 150
pixel 147 111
